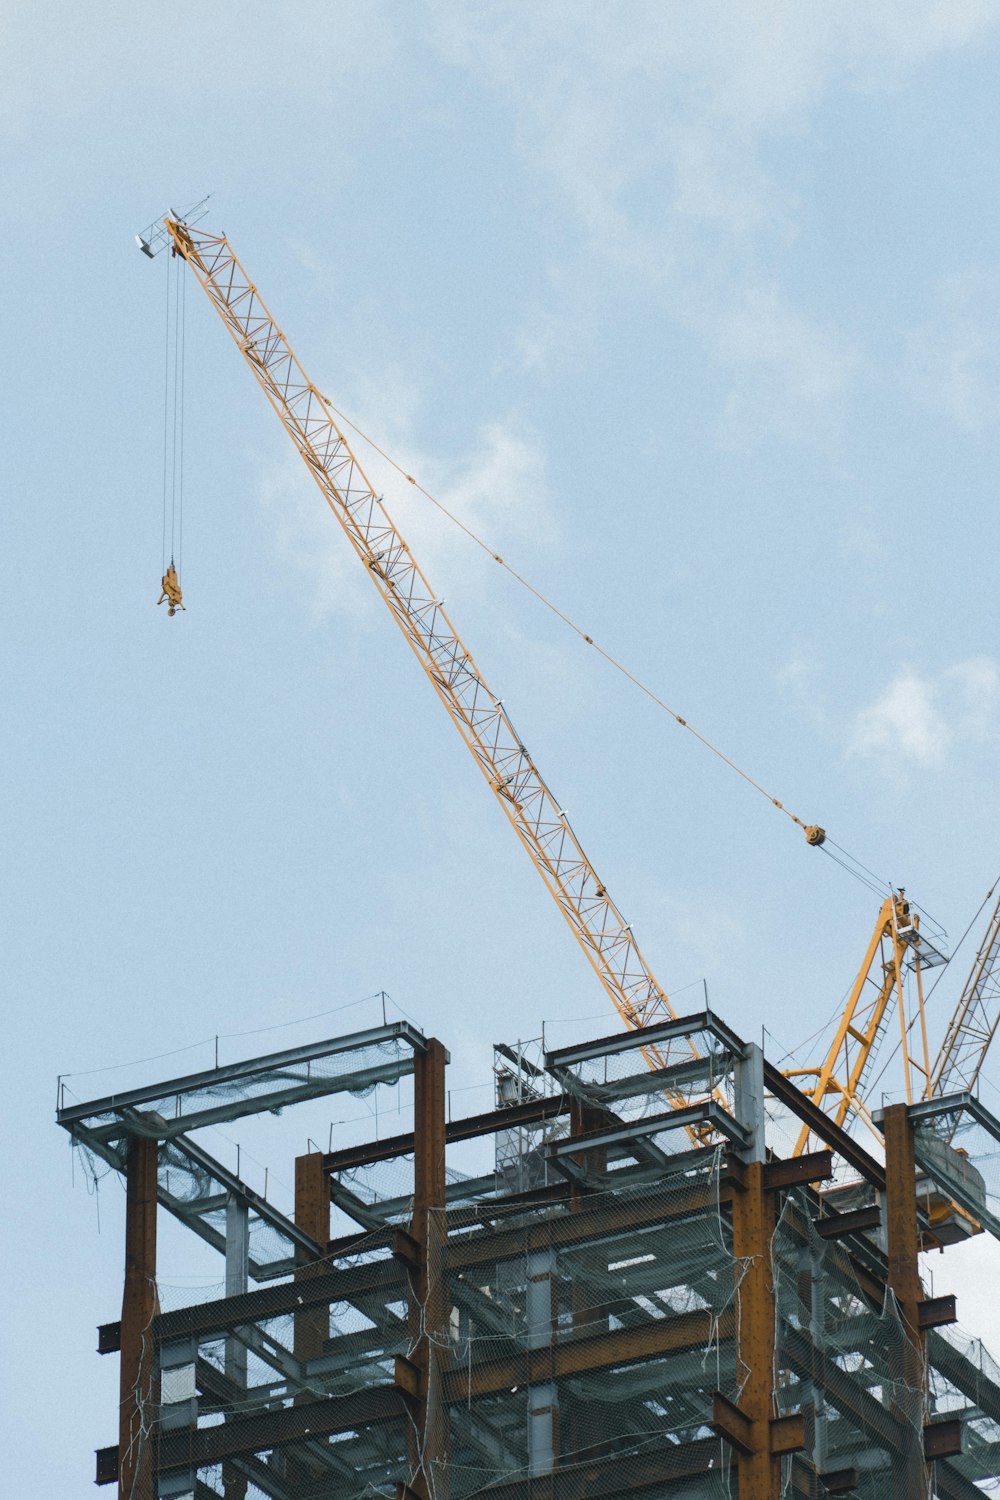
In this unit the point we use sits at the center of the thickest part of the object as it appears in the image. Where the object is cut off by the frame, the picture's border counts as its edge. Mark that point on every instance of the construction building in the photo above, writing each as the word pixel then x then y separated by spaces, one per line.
pixel 644 1292
pixel 663 1268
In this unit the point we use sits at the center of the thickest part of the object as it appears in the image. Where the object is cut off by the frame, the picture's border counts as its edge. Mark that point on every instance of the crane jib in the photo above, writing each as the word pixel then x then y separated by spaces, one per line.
pixel 480 717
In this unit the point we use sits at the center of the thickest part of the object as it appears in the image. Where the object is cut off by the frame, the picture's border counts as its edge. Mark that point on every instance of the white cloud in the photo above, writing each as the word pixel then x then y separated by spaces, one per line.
pixel 498 489
pixel 921 721
pixel 785 367
pixel 799 682
pixel 651 124
pixel 57 62
pixel 953 360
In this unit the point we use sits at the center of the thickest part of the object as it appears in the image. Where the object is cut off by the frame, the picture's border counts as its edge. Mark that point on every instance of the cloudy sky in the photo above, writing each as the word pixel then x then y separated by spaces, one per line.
pixel 694 313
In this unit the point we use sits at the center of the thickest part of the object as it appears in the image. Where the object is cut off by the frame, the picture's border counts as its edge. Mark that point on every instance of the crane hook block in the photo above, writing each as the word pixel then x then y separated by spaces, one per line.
pixel 171 591
pixel 815 835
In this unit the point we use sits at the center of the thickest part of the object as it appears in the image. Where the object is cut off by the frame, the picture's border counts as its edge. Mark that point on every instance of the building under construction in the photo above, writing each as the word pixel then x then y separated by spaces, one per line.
pixel 656 1265
pixel 643 1292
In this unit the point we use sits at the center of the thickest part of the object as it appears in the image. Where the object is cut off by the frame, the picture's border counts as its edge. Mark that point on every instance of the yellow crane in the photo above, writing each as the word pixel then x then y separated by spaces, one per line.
pixel 838 1084
pixel 528 803
pixel 973 1024
pixel 899 950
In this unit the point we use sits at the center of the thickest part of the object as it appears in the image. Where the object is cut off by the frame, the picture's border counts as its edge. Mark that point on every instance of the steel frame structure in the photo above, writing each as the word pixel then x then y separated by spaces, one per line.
pixel 654 1319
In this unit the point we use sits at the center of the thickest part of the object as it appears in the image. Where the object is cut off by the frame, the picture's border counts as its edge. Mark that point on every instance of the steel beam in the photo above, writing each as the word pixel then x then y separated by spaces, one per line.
pixel 273 1062
pixel 821 1125
pixel 260 1431
pixel 582 1356
pixel 367 1153
pixel 646 1036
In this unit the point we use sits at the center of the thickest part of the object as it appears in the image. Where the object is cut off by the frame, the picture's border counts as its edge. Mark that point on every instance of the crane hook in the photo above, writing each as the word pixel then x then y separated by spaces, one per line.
pixel 171 591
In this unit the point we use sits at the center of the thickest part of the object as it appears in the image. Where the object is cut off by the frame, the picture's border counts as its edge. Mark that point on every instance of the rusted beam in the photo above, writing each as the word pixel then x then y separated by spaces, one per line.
pixel 793 1171
pixel 823 1127
pixel 407 1376
pixel 109 1338
pixel 260 1431
pixel 942 1439
pixel 936 1312
pixel 731 1424
pixel 476 1249
pixel 840 1481
pixel 366 1153
pixel 835 1226
pixel 582 1356
pixel 382 1278
pixel 106 1465
pixel 138 1384
pixel 788 1434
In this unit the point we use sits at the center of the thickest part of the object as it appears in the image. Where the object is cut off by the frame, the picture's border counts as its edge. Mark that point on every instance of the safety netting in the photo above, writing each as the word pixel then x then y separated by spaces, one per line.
pixel 843 1359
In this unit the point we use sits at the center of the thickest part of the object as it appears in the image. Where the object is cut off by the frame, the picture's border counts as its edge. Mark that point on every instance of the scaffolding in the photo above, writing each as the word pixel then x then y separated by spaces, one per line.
pixel 639 1292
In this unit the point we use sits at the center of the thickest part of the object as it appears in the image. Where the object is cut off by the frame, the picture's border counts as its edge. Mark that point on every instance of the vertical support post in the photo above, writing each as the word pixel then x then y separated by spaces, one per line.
pixel 587 1315
pixel 910 1476
pixel 138 1391
pixel 429 1309
pixel 312 1213
pixel 543 1400
pixel 753 1227
pixel 311 1325
pixel 237 1275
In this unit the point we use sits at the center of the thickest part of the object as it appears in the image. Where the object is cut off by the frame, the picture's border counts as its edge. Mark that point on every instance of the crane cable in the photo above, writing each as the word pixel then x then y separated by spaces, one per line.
pixel 173 418
pixel 814 835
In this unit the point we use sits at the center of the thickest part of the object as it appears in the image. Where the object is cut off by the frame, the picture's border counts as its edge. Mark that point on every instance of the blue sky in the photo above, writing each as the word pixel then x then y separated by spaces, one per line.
pixel 694 313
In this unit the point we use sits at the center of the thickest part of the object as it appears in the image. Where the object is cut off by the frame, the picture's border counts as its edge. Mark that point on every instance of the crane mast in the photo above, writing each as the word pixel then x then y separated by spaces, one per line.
pixel 974 1023
pixel 838 1085
pixel 480 717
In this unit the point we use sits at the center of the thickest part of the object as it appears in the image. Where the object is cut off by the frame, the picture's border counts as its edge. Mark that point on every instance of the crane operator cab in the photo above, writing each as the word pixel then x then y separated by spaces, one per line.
pixel 171 591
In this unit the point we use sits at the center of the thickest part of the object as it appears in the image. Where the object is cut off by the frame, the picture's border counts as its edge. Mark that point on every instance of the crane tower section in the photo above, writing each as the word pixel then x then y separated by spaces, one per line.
pixel 974 1022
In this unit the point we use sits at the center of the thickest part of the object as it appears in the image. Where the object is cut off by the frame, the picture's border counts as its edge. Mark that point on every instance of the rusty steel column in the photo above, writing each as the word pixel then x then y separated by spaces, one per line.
pixel 753 1226
pixel 311 1325
pixel 910 1476
pixel 429 1307
pixel 138 1389
pixel 579 1427
pixel 312 1213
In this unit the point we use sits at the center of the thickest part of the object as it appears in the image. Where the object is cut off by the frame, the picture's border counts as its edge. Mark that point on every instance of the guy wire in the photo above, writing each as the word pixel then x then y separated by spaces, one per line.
pixel 848 863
